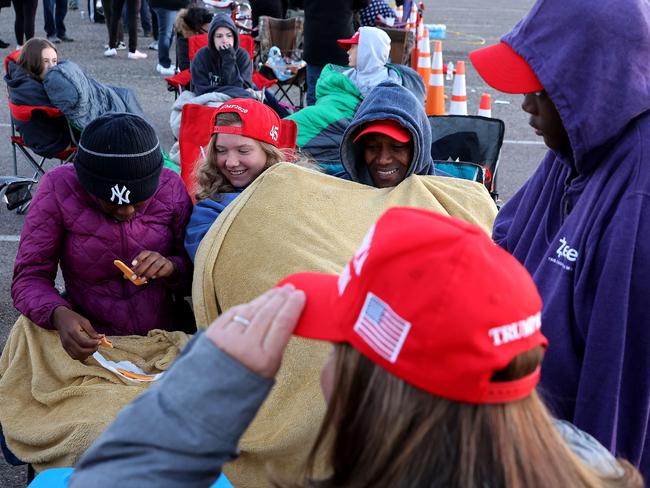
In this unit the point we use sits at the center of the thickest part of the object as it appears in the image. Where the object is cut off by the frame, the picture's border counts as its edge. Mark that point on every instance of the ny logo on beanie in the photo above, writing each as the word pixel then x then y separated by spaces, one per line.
pixel 122 195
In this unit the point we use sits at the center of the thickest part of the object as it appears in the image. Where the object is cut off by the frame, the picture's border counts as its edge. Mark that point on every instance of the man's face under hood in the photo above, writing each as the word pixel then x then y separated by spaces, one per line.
pixel 546 121
pixel 388 160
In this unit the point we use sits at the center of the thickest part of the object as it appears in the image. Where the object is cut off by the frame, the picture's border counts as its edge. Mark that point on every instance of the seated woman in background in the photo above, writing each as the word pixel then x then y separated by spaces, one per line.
pixel 424 388
pixel 225 67
pixel 115 202
pixel 244 144
pixel 47 135
pixel 192 21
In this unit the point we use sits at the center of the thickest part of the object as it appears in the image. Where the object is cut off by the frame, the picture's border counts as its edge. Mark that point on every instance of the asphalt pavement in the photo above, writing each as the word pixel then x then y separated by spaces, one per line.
pixel 470 24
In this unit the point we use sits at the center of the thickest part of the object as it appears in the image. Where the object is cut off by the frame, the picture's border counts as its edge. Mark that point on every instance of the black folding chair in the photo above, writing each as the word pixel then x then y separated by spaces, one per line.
pixel 468 146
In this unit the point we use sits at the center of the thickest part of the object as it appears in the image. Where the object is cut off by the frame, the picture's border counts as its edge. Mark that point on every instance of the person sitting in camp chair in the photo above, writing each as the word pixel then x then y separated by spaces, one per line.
pixel 43 130
pixel 388 139
pixel 341 89
pixel 226 67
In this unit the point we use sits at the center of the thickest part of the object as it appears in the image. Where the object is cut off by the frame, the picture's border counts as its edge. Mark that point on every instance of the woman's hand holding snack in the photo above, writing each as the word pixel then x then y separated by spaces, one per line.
pixel 151 265
pixel 78 337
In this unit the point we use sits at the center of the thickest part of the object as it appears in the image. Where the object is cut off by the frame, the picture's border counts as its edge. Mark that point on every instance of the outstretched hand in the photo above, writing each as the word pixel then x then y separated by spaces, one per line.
pixel 256 333
pixel 78 337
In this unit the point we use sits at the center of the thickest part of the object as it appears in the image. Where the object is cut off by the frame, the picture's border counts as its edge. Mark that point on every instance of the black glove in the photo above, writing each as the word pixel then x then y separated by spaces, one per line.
pixel 227 53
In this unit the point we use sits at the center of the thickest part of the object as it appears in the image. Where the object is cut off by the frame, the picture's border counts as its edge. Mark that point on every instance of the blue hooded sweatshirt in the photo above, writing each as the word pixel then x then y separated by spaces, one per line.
pixel 228 71
pixel 388 101
pixel 204 213
pixel 581 223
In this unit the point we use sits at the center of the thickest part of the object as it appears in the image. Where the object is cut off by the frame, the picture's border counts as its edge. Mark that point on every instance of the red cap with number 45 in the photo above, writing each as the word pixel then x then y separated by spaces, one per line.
pixel 432 300
pixel 257 120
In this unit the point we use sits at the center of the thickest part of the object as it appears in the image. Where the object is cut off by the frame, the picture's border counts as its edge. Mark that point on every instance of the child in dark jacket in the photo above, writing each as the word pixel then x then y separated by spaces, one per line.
pixel 116 202
pixel 245 142
pixel 45 130
pixel 223 66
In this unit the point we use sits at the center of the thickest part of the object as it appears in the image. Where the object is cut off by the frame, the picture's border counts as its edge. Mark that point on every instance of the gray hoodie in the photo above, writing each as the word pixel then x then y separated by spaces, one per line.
pixel 388 101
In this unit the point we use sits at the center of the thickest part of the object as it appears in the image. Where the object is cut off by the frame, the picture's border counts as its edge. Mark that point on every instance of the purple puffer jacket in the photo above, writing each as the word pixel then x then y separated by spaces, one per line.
pixel 64 225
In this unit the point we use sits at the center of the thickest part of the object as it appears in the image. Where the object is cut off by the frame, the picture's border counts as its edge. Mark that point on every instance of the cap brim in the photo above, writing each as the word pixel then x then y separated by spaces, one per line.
pixel 393 134
pixel 316 321
pixel 505 70
pixel 345 43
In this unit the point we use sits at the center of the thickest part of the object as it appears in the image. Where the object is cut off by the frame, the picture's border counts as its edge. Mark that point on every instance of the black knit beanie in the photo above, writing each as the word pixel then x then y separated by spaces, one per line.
pixel 119 159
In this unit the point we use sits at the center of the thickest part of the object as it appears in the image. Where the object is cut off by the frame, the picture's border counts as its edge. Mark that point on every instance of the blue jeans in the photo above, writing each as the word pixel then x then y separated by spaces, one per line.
pixel 165 34
pixel 54 11
pixel 313 72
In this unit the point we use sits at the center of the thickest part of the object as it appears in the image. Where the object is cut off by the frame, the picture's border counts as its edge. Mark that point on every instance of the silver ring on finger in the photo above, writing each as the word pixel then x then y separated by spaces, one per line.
pixel 241 320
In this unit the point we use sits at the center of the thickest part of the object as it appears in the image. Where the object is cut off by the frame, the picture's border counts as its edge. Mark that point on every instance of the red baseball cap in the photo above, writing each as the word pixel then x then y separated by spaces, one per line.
pixel 347 43
pixel 391 128
pixel 433 301
pixel 257 120
pixel 505 70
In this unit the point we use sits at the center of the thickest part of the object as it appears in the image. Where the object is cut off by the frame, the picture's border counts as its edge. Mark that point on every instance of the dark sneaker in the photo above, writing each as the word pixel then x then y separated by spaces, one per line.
pixel 3 44
pixel 65 38
pixel 54 39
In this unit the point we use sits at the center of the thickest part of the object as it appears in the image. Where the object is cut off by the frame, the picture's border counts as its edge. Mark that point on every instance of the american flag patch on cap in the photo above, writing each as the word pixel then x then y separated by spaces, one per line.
pixel 381 328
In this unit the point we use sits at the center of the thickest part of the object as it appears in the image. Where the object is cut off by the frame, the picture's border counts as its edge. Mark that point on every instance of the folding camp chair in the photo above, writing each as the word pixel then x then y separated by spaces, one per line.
pixel 287 35
pixel 468 146
pixel 194 136
pixel 401 45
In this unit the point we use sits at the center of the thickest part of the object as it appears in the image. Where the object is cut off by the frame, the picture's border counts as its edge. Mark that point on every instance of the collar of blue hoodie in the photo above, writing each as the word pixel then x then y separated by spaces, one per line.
pixel 373 53
pixel 394 102
pixel 592 59
pixel 221 20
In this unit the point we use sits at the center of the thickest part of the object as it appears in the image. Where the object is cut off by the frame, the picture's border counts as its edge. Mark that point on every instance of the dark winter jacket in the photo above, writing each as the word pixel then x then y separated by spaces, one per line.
pixel 389 101
pixel 581 223
pixel 82 99
pixel 228 71
pixel 65 227
pixel 46 136
pixel 325 22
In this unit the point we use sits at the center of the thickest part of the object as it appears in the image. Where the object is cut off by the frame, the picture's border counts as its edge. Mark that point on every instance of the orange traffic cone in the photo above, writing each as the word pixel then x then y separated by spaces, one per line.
pixel 436 86
pixel 424 58
pixel 485 109
pixel 459 92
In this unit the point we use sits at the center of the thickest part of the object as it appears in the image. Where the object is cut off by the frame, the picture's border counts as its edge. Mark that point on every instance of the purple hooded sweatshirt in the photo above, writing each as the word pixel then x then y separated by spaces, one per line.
pixel 65 226
pixel 581 225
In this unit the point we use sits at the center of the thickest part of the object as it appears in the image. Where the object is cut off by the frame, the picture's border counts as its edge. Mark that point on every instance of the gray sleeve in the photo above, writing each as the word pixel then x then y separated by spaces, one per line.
pixel 180 431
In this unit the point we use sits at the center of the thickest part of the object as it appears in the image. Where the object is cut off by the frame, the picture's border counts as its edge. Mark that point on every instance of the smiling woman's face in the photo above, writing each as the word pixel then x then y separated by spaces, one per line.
pixel 546 121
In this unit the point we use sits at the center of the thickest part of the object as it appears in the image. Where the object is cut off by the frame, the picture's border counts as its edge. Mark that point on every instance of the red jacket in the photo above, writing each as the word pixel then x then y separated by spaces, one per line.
pixel 65 227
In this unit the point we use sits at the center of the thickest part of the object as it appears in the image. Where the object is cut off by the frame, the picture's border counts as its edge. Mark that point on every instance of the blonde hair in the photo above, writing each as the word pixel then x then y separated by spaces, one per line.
pixel 210 181
pixel 380 431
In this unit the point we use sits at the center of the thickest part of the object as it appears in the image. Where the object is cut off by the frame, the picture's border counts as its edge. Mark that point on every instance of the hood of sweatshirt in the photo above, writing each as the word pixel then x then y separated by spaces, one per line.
pixel 388 101
pixel 373 53
pixel 221 20
pixel 596 73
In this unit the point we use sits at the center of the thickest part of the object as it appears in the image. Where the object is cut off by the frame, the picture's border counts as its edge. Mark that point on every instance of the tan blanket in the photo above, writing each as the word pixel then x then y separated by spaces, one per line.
pixel 53 407
pixel 292 219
